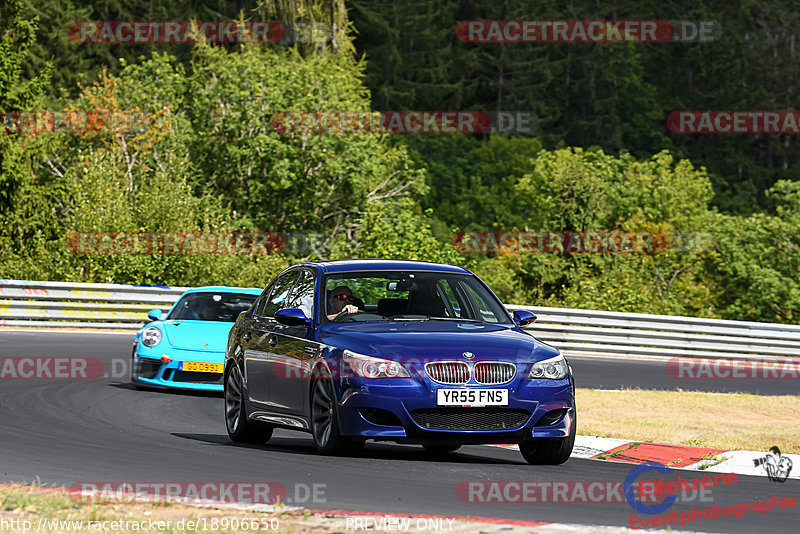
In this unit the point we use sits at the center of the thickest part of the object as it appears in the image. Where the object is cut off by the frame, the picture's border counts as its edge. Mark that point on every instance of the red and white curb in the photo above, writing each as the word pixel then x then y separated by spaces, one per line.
pixel 675 456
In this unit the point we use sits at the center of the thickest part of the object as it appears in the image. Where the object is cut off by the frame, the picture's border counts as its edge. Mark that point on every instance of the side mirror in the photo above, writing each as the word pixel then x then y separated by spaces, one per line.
pixel 524 317
pixel 292 317
pixel 154 314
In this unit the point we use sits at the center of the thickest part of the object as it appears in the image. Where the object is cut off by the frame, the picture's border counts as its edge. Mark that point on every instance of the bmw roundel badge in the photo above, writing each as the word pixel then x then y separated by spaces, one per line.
pixel 468 355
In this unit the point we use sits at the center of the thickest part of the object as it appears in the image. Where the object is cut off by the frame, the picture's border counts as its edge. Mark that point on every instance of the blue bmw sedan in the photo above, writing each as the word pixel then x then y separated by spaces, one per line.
pixel 401 351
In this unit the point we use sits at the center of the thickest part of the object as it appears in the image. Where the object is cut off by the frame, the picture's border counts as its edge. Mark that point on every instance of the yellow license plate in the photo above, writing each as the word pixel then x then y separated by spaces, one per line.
pixel 202 367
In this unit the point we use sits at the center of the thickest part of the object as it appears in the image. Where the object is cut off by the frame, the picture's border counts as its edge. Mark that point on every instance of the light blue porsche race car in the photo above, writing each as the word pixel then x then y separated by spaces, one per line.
pixel 186 347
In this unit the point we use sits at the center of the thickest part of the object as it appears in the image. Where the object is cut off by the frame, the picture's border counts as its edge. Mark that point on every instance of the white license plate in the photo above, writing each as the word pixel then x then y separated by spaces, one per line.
pixel 472 397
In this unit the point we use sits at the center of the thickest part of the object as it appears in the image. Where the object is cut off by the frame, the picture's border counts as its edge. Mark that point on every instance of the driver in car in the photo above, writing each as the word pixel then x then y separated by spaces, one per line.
pixel 206 311
pixel 341 300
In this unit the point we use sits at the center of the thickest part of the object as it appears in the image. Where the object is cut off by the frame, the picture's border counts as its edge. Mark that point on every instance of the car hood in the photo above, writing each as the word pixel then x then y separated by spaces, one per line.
pixel 436 340
pixel 197 335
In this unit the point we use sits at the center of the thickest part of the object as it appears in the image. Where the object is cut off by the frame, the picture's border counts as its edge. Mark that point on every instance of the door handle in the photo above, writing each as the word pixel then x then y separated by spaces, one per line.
pixel 248 336
pixel 273 340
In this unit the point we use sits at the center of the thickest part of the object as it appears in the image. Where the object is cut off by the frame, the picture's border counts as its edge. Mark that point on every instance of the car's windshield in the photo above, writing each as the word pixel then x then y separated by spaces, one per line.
pixel 212 306
pixel 410 295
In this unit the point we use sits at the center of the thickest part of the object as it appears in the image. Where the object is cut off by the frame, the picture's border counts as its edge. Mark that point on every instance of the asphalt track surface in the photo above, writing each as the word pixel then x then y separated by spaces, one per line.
pixel 69 431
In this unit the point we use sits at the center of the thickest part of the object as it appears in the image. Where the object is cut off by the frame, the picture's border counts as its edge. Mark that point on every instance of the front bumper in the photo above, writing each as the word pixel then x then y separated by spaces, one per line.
pixel 405 410
pixel 148 369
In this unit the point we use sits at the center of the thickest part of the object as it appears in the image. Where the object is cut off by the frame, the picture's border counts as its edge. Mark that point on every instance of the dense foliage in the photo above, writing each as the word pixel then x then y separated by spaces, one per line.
pixel 205 156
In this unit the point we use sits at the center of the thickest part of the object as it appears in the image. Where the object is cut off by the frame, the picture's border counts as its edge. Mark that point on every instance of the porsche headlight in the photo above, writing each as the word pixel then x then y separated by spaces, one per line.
pixel 151 337
pixel 553 368
pixel 369 367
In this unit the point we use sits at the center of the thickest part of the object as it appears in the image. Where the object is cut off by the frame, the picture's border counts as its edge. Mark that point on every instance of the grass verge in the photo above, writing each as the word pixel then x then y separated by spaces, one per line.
pixel 723 421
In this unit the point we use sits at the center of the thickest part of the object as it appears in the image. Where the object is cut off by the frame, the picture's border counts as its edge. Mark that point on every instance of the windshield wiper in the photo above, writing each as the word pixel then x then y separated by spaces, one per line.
pixel 411 318
pixel 431 318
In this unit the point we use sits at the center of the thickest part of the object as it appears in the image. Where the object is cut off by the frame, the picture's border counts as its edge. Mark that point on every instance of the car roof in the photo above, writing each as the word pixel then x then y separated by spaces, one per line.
pixel 225 289
pixel 383 265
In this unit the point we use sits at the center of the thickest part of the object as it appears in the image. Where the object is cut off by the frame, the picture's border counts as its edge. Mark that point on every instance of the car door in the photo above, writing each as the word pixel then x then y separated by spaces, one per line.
pixel 290 379
pixel 260 349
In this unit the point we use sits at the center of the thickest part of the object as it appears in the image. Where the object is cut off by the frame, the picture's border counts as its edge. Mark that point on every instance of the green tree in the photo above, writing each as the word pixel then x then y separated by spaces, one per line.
pixel 29 189
pixel 287 180
pixel 759 260
pixel 575 190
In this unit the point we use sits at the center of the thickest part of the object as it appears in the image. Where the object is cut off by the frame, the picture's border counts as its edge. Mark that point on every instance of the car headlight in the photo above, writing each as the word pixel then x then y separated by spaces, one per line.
pixel 369 367
pixel 151 337
pixel 553 368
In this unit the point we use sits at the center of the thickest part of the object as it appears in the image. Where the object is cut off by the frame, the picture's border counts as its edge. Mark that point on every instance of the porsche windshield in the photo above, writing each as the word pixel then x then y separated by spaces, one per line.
pixel 224 307
pixel 421 295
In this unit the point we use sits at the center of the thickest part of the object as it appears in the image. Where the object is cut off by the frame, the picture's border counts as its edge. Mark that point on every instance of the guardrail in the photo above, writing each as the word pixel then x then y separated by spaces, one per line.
pixel 79 305
pixel 637 334
pixel 575 331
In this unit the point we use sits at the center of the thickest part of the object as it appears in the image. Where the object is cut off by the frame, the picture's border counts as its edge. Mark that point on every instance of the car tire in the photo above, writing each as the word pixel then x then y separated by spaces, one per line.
pixel 549 451
pixel 240 428
pixel 441 449
pixel 325 420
